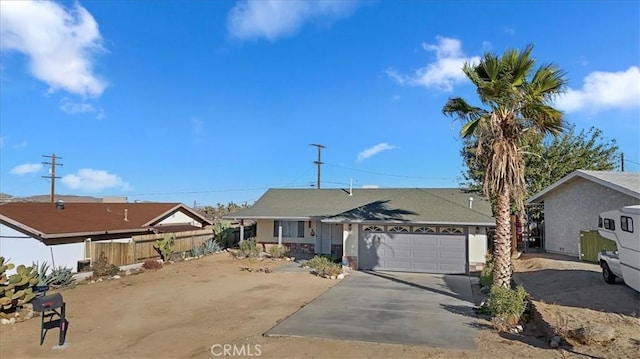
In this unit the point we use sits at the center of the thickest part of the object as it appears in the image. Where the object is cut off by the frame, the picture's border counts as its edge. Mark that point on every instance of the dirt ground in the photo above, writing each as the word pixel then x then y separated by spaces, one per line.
pixel 571 294
pixel 184 309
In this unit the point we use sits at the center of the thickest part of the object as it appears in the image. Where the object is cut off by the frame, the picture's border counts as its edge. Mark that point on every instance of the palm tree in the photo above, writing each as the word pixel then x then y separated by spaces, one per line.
pixel 518 101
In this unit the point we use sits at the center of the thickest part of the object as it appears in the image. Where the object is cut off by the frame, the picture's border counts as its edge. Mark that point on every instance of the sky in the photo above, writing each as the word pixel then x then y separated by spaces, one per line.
pixel 206 102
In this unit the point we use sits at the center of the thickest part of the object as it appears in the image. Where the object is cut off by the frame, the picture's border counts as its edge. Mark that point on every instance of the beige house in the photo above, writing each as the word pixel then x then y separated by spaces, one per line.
pixel 573 203
pixel 404 229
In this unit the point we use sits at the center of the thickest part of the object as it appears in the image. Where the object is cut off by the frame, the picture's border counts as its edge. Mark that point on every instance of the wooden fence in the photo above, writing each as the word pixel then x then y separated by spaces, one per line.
pixel 141 247
pixel 591 243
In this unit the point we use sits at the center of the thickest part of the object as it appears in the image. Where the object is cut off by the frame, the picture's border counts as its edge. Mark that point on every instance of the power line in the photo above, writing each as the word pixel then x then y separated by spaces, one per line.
pixel 387 174
pixel 52 173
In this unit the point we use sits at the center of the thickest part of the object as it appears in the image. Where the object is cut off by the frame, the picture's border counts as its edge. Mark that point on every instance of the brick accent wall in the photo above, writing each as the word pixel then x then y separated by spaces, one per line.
pixel 353 262
pixel 476 267
pixel 289 247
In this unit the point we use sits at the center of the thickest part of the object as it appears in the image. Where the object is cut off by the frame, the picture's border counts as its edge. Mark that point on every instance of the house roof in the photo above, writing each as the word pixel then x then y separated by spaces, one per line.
pixel 44 220
pixel 416 205
pixel 624 182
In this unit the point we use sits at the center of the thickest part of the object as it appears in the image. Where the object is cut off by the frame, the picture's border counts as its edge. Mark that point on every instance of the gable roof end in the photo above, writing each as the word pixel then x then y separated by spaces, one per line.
pixel 623 182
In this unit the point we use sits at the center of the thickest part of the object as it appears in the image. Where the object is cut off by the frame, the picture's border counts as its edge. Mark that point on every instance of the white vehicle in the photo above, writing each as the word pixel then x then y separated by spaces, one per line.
pixel 624 263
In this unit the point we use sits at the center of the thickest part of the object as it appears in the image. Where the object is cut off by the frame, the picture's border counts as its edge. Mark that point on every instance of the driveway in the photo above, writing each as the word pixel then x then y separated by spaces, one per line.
pixel 401 308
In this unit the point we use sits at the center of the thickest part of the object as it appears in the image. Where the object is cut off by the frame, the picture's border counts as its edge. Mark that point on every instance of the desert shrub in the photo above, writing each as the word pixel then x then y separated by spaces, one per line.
pixel 102 267
pixel 60 277
pixel 248 248
pixel 211 246
pixel 151 264
pixel 276 251
pixel 486 275
pixel 333 258
pixel 506 305
pixel 323 266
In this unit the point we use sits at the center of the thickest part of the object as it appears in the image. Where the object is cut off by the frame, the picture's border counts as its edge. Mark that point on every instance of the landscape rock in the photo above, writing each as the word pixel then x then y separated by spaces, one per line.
pixel 28 316
pixel 116 277
pixel 553 344
pixel 556 338
pixel 341 276
pixel 595 334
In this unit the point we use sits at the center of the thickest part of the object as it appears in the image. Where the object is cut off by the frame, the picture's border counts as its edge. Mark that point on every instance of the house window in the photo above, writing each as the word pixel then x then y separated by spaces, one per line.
pixel 451 230
pixel 626 224
pixel 424 229
pixel 610 224
pixel 290 229
pixel 399 229
pixel 373 229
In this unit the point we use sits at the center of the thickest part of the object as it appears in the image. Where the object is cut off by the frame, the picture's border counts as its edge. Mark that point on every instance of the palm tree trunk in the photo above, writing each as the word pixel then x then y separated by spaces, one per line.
pixel 502 242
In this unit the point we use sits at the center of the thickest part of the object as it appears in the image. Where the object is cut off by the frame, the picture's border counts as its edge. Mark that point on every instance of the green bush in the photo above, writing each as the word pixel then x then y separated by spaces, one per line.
pixel 507 305
pixel 486 275
pixel 323 266
pixel 276 252
pixel 248 248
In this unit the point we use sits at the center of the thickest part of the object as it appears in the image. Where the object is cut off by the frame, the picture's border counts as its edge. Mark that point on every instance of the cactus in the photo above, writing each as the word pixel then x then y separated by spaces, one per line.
pixel 15 290
pixel 165 246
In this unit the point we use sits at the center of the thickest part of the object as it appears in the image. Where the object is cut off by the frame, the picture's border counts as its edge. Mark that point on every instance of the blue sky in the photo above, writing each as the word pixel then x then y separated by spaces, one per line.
pixel 217 101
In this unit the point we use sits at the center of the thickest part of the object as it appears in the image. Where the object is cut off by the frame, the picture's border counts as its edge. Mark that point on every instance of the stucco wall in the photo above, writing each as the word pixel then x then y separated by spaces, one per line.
pixel 350 243
pixel 574 207
pixel 21 249
pixel 180 217
pixel 477 245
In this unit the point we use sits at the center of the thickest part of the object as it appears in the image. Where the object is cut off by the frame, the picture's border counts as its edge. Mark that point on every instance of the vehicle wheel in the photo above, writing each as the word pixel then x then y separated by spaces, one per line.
pixel 608 276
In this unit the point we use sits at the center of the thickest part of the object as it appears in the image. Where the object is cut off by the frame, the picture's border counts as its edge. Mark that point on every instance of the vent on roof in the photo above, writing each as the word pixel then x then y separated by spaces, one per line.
pixel 126 213
pixel 470 202
pixel 60 204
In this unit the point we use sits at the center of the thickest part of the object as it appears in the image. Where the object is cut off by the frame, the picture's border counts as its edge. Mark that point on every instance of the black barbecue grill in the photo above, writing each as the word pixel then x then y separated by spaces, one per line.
pixel 53 315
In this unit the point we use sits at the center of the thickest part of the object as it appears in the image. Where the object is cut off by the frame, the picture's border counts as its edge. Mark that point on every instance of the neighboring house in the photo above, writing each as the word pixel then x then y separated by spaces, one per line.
pixel 412 229
pixel 573 203
pixel 57 233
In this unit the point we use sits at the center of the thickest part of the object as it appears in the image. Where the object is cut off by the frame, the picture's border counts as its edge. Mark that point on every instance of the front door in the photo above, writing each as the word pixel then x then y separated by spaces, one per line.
pixel 323 238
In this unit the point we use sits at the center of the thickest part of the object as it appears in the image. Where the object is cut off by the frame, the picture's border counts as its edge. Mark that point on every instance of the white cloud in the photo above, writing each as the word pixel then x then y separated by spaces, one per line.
pixel 26 169
pixel 90 180
pixel 444 72
pixel 604 90
pixel 59 43
pixel 372 151
pixel 272 19
pixel 74 108
pixel 22 144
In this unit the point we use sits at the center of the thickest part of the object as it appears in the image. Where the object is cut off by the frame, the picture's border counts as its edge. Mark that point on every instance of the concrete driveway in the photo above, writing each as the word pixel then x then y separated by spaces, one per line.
pixel 389 307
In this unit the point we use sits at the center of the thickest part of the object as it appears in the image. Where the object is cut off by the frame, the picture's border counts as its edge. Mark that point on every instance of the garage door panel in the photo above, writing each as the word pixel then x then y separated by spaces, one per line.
pixel 412 252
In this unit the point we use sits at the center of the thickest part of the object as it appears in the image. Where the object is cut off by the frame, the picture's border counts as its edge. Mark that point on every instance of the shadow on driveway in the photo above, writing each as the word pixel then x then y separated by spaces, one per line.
pixel 399 308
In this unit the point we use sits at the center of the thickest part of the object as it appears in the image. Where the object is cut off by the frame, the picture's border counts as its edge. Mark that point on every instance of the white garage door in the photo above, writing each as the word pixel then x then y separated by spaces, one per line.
pixel 410 251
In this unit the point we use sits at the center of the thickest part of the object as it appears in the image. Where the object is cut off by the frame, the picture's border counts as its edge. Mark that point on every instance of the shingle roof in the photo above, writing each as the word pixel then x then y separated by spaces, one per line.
pixel 624 182
pixel 43 219
pixel 416 205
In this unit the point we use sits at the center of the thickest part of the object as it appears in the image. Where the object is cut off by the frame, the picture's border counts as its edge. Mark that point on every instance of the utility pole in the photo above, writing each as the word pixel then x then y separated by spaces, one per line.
pixel 622 162
pixel 52 173
pixel 319 161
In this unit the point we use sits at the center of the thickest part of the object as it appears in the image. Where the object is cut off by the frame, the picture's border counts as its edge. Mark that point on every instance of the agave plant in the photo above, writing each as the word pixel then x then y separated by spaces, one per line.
pixel 60 276
pixel 211 246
